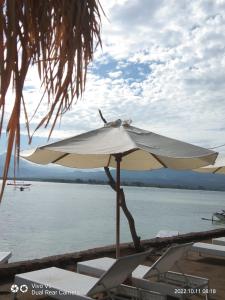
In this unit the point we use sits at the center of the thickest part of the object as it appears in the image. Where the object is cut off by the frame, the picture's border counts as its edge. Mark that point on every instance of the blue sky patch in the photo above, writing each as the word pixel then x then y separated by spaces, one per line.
pixel 129 71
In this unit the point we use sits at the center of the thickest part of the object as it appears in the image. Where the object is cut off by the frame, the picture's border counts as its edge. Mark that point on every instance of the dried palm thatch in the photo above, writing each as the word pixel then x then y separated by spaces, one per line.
pixel 59 37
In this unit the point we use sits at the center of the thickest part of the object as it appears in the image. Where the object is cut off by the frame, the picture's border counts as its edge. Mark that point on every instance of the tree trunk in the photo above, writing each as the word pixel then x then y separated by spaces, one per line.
pixel 127 213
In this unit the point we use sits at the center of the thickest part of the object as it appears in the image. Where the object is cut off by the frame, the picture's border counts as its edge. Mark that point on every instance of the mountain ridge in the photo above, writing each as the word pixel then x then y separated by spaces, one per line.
pixel 160 177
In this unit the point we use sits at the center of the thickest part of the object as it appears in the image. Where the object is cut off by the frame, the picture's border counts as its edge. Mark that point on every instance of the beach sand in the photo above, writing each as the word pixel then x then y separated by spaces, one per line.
pixel 211 268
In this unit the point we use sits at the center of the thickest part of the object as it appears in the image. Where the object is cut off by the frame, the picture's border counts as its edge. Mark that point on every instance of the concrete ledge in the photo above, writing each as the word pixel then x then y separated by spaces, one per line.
pixel 8 271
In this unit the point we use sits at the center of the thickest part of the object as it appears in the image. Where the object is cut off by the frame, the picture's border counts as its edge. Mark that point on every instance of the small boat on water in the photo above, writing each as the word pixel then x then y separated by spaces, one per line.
pixel 19 184
pixel 219 215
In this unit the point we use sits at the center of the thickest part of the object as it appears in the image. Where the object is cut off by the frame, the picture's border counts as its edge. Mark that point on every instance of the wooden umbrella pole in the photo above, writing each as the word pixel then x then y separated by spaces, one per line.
pixel 118 160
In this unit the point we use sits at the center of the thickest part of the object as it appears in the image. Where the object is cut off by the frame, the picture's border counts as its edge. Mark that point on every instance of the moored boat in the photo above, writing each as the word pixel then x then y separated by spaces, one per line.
pixel 219 215
pixel 20 184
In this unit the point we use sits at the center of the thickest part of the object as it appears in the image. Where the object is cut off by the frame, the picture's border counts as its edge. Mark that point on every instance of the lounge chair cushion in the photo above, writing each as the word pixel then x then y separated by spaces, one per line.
pixel 83 285
pixel 210 249
pixel 58 280
pixel 96 267
pixel 219 241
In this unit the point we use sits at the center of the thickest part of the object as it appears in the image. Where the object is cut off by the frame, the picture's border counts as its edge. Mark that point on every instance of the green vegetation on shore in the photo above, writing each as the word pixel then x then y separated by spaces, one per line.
pixel 124 183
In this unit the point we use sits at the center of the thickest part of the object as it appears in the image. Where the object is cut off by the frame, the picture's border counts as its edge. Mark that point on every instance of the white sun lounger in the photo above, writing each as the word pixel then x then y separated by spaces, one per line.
pixel 66 285
pixel 4 257
pixel 166 282
pixel 167 233
pixel 219 241
pixel 209 249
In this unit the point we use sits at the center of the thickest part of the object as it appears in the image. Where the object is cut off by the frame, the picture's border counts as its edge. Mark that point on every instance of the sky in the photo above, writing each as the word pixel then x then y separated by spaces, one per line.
pixel 162 65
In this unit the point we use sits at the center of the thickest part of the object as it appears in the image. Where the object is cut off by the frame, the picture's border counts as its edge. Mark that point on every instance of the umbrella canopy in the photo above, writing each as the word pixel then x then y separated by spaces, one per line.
pixel 217 168
pixel 141 150
pixel 120 145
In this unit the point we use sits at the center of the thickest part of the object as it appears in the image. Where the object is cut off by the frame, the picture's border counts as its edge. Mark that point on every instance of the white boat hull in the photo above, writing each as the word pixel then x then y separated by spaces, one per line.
pixel 220 216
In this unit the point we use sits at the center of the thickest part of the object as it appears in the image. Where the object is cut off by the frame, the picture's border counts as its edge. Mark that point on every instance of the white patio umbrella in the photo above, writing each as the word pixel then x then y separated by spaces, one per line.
pixel 217 168
pixel 121 146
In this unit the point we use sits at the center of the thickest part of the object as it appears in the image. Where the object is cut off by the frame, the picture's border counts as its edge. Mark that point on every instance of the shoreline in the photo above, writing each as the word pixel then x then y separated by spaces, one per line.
pixel 8 271
pixel 123 183
pixel 211 268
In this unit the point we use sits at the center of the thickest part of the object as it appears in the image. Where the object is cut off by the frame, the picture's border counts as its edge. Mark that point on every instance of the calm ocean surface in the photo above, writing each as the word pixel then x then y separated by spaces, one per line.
pixel 55 218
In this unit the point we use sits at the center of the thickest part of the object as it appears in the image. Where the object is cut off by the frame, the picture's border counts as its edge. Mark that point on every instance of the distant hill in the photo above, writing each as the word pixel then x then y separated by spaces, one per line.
pixel 161 177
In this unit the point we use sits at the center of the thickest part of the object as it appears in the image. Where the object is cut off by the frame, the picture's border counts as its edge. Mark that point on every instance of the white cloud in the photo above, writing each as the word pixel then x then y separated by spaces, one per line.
pixel 115 74
pixel 162 65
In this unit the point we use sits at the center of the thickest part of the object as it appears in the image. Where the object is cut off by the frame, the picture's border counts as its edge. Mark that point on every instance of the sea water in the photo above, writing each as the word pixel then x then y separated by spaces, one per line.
pixel 56 218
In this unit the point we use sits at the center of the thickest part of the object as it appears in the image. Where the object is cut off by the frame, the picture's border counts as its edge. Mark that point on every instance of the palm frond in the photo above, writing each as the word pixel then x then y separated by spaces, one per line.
pixel 59 37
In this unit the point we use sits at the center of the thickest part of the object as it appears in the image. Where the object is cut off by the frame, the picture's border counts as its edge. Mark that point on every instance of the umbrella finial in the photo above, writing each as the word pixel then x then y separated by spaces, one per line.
pixel 116 123
pixel 127 122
